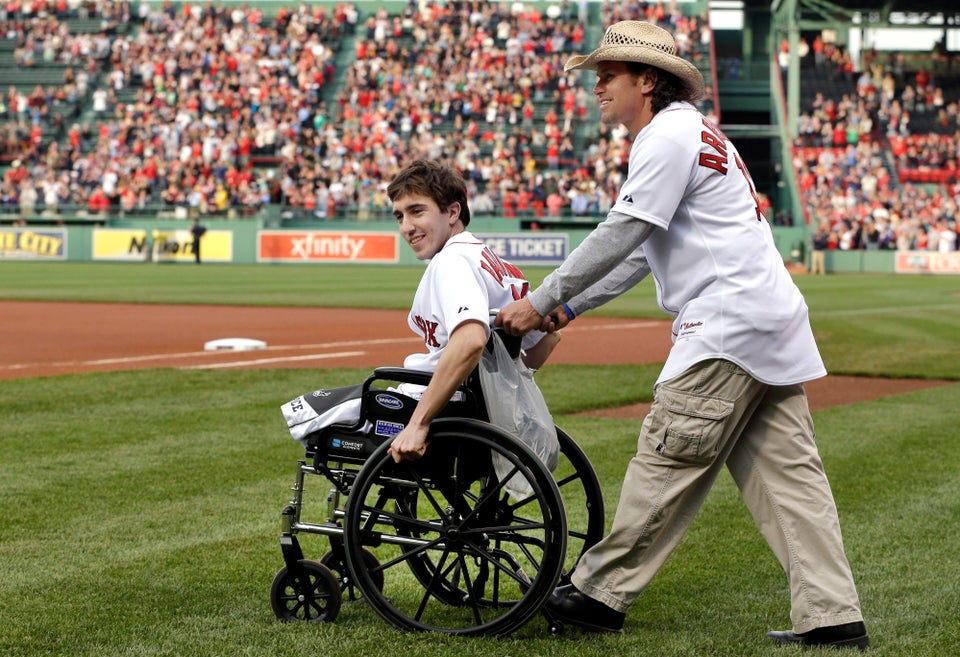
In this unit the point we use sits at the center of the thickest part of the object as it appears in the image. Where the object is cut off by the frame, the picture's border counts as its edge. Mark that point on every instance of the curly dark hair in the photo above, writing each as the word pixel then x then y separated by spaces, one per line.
pixel 440 182
pixel 668 88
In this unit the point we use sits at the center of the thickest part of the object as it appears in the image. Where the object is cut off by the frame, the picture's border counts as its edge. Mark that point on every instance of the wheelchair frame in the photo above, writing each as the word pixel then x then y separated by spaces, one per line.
pixel 436 544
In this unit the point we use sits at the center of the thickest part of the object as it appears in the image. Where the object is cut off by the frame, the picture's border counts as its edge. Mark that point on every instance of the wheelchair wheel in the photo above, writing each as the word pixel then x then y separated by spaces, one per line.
pixel 456 553
pixel 584 513
pixel 310 592
pixel 582 499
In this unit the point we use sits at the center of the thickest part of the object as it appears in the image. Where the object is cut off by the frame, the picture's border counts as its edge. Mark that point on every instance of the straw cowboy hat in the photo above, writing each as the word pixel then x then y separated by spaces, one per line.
pixel 639 41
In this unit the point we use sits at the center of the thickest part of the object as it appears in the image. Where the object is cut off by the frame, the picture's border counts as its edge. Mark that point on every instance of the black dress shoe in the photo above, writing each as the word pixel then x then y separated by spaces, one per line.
pixel 569 605
pixel 848 635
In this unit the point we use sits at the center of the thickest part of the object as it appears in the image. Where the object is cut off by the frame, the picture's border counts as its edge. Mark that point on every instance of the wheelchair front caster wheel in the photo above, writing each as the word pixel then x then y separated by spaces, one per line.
pixel 555 627
pixel 308 592
pixel 348 587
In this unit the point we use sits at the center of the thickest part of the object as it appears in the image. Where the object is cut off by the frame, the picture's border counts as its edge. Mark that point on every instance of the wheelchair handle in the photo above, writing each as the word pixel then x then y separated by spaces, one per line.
pixel 513 343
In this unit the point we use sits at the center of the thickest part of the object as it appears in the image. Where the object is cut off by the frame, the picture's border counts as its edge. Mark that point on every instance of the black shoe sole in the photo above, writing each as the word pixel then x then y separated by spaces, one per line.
pixel 577 622
pixel 860 642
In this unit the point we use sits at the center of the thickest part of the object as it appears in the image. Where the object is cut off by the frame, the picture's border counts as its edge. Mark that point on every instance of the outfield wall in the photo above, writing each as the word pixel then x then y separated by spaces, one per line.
pixel 249 242
pixel 373 242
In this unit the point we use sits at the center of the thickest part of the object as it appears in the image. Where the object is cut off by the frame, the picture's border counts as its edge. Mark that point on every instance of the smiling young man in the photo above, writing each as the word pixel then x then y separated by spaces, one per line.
pixel 731 391
pixel 463 281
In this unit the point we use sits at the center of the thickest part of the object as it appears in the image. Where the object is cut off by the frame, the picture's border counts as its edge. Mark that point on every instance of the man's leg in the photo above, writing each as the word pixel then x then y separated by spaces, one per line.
pixel 693 423
pixel 781 477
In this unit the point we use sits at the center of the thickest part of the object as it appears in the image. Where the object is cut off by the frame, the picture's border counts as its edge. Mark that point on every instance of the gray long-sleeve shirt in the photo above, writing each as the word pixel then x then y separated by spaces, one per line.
pixel 605 265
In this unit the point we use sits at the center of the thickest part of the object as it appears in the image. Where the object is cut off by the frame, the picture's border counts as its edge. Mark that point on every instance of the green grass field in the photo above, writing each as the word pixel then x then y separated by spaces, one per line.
pixel 140 511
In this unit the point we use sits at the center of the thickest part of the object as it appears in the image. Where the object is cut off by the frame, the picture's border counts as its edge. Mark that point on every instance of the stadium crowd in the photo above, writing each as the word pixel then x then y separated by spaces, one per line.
pixel 216 90
pixel 867 179
pixel 200 108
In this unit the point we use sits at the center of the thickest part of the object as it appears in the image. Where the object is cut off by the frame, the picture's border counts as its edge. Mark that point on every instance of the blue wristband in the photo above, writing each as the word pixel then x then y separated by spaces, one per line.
pixel 570 314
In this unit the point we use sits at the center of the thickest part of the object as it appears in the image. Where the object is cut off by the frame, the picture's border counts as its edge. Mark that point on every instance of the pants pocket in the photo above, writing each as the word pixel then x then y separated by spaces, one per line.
pixel 690 427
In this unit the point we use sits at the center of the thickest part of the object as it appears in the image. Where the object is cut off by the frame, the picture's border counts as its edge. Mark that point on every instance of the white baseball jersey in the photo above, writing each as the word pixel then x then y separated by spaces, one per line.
pixel 716 267
pixel 464 281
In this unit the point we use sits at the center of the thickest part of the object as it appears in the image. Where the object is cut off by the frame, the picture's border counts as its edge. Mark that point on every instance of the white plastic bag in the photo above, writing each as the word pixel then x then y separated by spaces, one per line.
pixel 514 403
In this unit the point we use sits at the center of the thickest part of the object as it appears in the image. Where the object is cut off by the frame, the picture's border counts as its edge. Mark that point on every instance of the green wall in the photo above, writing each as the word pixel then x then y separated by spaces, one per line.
pixel 791 242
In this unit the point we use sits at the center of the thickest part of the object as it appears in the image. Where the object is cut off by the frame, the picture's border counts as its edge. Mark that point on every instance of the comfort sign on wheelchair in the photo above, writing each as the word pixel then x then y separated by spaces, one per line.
pixel 347 445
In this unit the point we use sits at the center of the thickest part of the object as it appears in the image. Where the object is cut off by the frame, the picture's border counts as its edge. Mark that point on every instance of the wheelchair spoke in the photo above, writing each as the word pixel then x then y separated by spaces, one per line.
pixel 529 555
pixel 583 536
pixel 428 493
pixel 468 584
pixel 372 513
pixel 407 555
pixel 488 556
pixel 489 499
pixel 435 582
pixel 505 532
pixel 575 477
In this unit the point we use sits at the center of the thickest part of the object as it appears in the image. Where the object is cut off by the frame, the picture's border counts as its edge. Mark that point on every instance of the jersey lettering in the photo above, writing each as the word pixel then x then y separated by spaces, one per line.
pixel 521 292
pixel 428 329
pixel 497 267
pixel 713 138
pixel 717 132
pixel 710 139
pixel 715 162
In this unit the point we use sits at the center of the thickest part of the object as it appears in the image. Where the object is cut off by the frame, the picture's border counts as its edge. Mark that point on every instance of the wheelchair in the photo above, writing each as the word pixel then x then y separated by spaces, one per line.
pixel 436 544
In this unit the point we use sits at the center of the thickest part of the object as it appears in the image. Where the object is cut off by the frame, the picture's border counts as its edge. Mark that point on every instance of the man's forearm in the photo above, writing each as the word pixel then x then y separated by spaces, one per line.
pixel 604 265
pixel 459 358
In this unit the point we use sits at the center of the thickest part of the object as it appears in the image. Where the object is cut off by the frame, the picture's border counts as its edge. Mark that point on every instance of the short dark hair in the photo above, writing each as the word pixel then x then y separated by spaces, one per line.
pixel 440 182
pixel 668 88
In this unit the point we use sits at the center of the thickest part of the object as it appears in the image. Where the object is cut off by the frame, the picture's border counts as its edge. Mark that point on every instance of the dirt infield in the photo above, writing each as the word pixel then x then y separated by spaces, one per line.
pixel 42 339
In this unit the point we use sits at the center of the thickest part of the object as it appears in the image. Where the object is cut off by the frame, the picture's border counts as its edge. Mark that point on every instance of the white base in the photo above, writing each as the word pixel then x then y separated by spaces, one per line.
pixel 234 344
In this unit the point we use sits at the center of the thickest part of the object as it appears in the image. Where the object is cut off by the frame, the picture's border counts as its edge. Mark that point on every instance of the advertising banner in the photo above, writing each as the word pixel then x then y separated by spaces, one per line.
pixel 520 248
pixel 177 246
pixel 126 244
pixel 928 262
pixel 23 243
pixel 327 246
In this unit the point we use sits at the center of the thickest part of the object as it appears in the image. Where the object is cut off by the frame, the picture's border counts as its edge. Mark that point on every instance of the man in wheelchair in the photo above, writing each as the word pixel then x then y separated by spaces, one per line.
pixel 451 312
pixel 451 308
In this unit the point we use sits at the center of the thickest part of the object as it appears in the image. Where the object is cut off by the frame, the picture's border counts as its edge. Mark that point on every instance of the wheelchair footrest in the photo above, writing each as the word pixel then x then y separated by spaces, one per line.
pixel 290 546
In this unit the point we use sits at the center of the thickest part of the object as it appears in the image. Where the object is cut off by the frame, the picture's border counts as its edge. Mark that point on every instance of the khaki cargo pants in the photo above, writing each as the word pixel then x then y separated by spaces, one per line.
pixel 715 414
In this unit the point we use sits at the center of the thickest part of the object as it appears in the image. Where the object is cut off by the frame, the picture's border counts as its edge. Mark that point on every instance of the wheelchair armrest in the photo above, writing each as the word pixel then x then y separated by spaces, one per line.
pixel 400 374
pixel 419 377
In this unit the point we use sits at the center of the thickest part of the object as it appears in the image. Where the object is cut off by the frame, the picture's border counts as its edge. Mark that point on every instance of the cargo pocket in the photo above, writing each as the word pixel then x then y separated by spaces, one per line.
pixel 692 426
